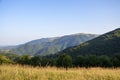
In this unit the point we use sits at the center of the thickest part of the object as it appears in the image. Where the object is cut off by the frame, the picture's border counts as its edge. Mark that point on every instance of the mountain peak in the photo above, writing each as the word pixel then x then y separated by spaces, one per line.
pixel 52 45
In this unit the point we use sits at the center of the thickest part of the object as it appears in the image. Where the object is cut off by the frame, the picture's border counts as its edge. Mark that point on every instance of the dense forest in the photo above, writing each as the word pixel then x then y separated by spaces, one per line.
pixel 106 44
pixel 63 60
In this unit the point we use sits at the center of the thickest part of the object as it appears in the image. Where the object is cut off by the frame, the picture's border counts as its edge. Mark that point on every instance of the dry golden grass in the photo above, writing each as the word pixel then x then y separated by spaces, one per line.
pixel 17 72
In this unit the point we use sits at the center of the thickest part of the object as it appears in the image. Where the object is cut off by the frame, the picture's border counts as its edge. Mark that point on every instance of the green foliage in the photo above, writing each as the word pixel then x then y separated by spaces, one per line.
pixel 104 61
pixel 116 60
pixel 80 61
pixel 4 60
pixel 36 61
pixel 10 55
pixel 25 59
pixel 92 61
pixel 64 61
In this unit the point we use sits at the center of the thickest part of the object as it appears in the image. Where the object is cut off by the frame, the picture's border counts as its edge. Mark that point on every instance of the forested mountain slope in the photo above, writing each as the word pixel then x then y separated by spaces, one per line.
pixel 106 44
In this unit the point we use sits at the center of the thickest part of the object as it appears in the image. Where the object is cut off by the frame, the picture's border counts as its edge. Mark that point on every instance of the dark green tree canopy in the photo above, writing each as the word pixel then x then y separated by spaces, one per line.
pixel 64 61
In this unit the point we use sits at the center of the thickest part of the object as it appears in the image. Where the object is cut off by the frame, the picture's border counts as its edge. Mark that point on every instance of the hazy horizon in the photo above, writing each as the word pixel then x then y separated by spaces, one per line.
pixel 46 37
pixel 25 20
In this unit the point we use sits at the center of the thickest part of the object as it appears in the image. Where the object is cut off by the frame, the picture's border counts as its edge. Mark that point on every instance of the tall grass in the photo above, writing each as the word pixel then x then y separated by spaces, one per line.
pixel 17 72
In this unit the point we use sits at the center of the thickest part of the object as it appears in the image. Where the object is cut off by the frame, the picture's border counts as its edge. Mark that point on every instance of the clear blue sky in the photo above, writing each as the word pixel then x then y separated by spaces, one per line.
pixel 26 20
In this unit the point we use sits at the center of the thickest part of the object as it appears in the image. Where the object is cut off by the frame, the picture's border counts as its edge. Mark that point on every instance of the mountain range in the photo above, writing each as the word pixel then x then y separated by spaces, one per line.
pixel 97 50
pixel 46 46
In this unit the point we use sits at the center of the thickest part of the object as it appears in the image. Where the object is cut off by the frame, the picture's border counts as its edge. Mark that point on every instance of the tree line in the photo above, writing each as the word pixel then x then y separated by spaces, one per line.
pixel 67 61
pixel 64 60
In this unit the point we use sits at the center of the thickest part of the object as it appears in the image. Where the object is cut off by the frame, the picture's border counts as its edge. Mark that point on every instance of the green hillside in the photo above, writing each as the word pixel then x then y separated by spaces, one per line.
pixel 4 60
pixel 46 46
pixel 8 55
pixel 106 44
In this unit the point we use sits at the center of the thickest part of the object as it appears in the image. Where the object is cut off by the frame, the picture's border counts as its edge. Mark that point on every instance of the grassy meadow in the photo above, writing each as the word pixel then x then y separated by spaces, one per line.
pixel 17 72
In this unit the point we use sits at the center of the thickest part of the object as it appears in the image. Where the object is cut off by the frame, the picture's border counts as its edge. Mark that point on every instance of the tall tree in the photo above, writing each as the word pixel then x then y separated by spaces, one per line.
pixel 64 61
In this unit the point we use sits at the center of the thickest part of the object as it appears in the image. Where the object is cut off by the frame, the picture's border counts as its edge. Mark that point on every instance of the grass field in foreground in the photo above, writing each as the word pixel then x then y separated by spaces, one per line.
pixel 16 72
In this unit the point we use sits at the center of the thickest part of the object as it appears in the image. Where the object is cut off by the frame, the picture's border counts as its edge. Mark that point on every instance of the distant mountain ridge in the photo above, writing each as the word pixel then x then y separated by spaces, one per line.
pixel 46 46
pixel 6 47
pixel 106 44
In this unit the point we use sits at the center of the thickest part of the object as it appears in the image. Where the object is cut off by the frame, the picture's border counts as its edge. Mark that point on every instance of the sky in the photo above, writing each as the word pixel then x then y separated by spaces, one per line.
pixel 25 20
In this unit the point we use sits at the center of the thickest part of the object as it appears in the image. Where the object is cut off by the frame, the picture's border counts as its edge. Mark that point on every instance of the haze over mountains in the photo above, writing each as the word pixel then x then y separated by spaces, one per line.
pixel 46 46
